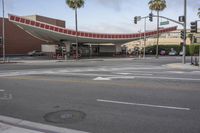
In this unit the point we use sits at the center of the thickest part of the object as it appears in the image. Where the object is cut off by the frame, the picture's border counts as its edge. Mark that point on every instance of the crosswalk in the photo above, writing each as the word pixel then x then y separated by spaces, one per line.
pixel 111 73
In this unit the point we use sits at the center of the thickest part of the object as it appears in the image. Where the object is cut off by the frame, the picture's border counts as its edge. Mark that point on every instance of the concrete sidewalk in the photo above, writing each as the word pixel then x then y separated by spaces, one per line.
pixel 182 66
pixel 62 61
pixel 13 125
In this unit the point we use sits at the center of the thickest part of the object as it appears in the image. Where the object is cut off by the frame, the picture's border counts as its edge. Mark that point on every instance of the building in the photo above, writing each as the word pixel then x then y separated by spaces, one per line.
pixel 19 42
pixel 27 33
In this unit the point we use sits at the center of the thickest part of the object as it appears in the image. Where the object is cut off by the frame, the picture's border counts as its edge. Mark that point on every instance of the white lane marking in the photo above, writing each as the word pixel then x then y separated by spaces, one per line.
pixel 117 77
pixel 2 90
pixel 176 72
pixel 101 79
pixel 196 72
pixel 6 97
pixel 144 105
pixel 123 73
pixel 168 78
pixel 58 70
pixel 23 124
pixel 122 77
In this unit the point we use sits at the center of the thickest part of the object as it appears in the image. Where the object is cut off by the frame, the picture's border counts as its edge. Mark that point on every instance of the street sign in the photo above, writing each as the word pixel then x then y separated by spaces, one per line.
pixel 164 23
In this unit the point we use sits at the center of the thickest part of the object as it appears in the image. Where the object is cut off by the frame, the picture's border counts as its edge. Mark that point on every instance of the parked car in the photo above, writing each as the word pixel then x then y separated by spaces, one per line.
pixel 172 53
pixel 36 53
pixel 181 53
pixel 162 52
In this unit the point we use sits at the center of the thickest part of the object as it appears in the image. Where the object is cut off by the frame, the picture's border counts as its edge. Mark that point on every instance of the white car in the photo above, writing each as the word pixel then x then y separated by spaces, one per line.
pixel 172 53
pixel 181 53
pixel 35 53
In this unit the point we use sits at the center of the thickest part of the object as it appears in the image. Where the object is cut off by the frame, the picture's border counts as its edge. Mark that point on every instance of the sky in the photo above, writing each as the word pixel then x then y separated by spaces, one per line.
pixel 102 16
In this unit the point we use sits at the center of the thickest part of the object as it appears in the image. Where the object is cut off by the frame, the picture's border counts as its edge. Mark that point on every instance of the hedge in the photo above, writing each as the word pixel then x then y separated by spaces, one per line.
pixel 167 48
pixel 194 49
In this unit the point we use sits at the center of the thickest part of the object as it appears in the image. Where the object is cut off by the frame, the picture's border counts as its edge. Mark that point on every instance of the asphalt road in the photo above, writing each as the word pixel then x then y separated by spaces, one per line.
pixel 115 96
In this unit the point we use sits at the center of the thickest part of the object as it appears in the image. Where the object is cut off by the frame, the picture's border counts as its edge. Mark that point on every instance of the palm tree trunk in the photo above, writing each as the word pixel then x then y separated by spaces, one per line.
pixel 157 34
pixel 76 20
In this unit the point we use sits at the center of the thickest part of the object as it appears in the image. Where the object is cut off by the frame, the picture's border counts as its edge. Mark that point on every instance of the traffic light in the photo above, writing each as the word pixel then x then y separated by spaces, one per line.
pixel 183 36
pixel 150 17
pixel 135 20
pixel 193 27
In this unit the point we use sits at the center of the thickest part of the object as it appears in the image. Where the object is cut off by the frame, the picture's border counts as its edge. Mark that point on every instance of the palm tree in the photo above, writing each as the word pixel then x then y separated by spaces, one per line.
pixel 198 13
pixel 157 5
pixel 75 4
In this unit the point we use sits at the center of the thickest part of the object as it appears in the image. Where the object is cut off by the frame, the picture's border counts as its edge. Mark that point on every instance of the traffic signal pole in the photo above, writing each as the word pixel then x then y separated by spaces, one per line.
pixel 145 28
pixel 185 32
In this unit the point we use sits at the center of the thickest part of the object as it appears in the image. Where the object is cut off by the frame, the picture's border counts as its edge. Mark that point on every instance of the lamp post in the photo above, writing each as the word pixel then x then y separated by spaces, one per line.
pixel 3 31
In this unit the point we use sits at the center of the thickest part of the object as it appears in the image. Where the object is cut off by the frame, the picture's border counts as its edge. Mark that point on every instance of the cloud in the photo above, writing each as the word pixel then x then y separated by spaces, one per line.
pixel 107 28
pixel 114 4
pixel 179 3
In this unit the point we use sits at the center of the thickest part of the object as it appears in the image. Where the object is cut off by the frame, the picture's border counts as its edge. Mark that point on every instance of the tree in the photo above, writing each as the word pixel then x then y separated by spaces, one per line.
pixel 198 12
pixel 75 4
pixel 157 5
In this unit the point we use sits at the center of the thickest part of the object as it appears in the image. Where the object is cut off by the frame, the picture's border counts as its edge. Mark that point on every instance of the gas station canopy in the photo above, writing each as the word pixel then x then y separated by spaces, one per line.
pixel 52 33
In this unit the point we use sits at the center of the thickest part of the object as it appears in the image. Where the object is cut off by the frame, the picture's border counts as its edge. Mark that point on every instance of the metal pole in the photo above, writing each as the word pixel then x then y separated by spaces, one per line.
pixel 157 35
pixel 76 33
pixel 3 31
pixel 199 55
pixel 140 42
pixel 144 37
pixel 185 31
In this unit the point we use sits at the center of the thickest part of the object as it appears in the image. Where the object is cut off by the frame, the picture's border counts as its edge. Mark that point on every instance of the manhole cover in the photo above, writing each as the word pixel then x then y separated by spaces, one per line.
pixel 65 116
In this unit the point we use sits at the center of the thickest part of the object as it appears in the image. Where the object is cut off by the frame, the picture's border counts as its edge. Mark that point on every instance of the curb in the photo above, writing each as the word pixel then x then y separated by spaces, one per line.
pixel 9 125
pixel 181 66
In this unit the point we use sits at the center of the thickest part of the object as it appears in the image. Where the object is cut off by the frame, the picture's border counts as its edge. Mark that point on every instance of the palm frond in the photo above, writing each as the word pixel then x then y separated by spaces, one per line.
pixel 157 5
pixel 75 3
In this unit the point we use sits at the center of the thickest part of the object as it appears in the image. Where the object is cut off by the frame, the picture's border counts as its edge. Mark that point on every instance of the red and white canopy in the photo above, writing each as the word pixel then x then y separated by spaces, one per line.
pixel 52 33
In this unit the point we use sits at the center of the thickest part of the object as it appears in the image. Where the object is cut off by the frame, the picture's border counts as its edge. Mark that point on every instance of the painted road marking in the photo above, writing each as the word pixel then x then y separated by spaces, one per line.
pixel 167 78
pixel 2 90
pixel 117 77
pixel 176 72
pixel 101 79
pixel 124 73
pixel 52 71
pixel 144 105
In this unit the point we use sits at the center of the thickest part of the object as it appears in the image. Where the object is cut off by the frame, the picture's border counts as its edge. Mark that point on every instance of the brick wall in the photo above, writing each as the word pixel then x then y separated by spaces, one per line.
pixel 17 41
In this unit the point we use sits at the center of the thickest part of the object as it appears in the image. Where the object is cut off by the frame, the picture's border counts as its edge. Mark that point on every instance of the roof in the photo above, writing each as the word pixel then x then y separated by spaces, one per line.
pixel 52 33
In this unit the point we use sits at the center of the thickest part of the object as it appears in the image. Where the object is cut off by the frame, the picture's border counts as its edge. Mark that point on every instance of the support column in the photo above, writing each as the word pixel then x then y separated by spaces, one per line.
pixel 118 49
pixel 68 50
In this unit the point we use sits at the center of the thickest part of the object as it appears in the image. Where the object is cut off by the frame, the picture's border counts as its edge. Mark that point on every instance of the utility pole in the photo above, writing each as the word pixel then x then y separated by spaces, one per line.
pixel 3 31
pixel 185 32
pixel 145 28
pixel 76 33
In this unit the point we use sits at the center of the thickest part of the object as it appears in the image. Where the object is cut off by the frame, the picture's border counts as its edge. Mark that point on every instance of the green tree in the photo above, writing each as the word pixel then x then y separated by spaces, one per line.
pixel 157 5
pixel 75 4
pixel 198 12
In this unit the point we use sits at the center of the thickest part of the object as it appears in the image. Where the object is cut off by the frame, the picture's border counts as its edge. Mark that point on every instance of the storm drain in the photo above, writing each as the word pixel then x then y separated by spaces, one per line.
pixel 65 116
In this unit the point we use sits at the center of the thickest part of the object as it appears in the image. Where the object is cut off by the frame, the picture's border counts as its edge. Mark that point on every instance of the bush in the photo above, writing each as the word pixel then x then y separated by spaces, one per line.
pixel 194 49
pixel 167 48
